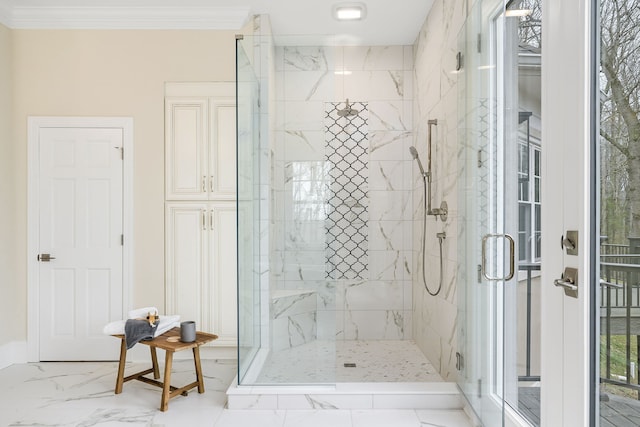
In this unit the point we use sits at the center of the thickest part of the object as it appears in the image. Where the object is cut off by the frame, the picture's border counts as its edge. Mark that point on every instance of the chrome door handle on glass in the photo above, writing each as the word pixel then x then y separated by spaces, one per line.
pixel 512 246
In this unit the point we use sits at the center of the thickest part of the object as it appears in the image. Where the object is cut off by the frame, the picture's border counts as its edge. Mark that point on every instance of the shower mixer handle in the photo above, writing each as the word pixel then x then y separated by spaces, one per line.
pixel 442 211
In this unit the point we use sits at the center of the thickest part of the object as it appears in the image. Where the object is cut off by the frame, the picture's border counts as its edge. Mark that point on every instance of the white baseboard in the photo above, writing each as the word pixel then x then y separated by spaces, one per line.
pixel 13 352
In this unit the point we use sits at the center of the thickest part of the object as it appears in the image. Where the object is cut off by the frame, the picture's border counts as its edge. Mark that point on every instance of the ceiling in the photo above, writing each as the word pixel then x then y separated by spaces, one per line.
pixel 387 22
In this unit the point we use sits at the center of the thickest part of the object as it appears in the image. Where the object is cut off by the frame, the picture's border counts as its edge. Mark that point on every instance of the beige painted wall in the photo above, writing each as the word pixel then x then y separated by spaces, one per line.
pixel 11 295
pixel 108 73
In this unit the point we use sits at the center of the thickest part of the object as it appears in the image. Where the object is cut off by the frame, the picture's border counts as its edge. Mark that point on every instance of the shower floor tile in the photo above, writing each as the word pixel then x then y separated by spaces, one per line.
pixel 324 362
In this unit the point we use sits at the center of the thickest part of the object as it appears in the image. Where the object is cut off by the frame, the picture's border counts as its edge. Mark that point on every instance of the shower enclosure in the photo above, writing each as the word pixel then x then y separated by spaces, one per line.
pixel 325 213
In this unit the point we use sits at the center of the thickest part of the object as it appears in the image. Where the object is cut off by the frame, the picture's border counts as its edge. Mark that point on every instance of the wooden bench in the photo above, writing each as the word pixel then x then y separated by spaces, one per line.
pixel 170 343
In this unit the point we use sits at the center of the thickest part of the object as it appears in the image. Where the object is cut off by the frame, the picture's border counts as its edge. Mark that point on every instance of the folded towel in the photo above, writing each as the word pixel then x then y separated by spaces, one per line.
pixel 165 323
pixel 138 330
pixel 142 313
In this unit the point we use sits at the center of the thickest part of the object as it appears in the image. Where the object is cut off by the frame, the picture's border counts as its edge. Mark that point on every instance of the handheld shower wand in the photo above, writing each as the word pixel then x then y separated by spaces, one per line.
pixel 414 153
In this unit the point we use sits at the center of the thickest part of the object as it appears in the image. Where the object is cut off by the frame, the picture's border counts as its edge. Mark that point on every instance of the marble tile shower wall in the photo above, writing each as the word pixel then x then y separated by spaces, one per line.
pixel 307 80
pixel 435 97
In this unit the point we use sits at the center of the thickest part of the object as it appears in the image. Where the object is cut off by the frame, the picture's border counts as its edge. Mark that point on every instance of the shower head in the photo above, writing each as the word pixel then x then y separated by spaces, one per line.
pixel 414 153
pixel 347 111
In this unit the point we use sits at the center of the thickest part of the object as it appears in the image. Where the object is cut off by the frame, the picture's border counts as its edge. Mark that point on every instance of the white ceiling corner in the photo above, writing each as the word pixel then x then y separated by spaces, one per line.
pixel 387 22
pixel 141 14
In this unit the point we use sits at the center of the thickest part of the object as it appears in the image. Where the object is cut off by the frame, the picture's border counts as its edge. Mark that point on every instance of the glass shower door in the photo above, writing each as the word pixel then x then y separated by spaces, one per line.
pixel 488 212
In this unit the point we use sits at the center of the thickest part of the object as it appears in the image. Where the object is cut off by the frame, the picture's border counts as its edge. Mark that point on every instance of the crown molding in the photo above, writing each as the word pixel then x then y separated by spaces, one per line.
pixel 5 14
pixel 123 17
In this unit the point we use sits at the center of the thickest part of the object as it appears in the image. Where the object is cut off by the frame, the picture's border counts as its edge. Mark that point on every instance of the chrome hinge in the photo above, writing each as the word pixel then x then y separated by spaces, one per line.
pixel 479 43
pixel 480 388
pixel 480 158
pixel 459 361
pixel 122 240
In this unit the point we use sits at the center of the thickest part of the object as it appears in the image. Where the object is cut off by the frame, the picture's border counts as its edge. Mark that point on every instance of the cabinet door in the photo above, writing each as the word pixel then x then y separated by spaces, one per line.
pixel 223 273
pixel 186 146
pixel 187 255
pixel 222 149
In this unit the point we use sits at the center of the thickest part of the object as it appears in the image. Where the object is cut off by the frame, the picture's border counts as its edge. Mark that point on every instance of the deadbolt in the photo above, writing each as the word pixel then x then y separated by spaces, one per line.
pixel 570 242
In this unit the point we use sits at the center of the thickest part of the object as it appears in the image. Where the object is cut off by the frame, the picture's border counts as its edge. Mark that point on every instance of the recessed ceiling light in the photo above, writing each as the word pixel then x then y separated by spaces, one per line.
pixel 349 11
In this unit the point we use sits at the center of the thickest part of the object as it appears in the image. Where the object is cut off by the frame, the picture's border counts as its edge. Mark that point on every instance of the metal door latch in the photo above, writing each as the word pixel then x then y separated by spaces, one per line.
pixel 45 257
pixel 569 281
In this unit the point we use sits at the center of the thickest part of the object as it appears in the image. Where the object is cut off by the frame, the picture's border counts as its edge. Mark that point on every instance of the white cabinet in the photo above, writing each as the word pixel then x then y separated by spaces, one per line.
pixel 201 265
pixel 200 194
pixel 200 135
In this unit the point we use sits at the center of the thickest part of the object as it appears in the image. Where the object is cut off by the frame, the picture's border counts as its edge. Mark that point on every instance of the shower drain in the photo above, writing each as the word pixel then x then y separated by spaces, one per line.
pixel 349 365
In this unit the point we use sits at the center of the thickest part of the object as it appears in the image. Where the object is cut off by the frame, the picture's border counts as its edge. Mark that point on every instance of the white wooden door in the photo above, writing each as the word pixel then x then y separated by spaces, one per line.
pixel 201 266
pixel 187 252
pixel 567 204
pixel 222 151
pixel 187 149
pixel 224 272
pixel 80 227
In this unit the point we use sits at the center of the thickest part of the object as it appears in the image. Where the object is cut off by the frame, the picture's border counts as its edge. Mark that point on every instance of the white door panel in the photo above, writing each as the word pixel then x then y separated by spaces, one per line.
pixel 223 149
pixel 186 261
pixel 566 200
pixel 187 170
pixel 81 223
pixel 224 273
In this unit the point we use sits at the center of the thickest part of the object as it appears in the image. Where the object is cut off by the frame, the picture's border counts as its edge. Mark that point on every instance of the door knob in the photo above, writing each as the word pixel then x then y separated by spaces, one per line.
pixel 45 257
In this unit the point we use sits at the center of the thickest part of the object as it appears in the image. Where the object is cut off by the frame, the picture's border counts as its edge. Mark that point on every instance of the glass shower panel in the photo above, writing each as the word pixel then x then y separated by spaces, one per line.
pixel 304 313
pixel 488 216
pixel 248 117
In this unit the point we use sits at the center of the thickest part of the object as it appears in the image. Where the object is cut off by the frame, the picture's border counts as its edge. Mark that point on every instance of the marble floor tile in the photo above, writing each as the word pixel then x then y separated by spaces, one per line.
pixel 80 394
pixel 249 418
pixel 318 418
pixel 384 418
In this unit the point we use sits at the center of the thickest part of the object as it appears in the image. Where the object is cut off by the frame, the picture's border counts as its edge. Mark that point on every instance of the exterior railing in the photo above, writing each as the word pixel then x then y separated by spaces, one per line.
pixel 620 311
pixel 529 268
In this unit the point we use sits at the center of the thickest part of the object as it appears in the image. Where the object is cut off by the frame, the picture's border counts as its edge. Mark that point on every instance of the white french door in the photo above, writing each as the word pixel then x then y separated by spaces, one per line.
pixel 568 167
pixel 77 240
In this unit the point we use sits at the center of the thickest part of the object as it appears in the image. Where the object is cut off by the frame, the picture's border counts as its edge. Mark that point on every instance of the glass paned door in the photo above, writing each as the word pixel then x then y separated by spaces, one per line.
pixel 619 149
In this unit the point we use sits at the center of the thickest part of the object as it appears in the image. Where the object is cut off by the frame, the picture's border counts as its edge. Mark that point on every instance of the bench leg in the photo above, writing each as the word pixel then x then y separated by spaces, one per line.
pixel 166 389
pixel 196 359
pixel 123 359
pixel 154 362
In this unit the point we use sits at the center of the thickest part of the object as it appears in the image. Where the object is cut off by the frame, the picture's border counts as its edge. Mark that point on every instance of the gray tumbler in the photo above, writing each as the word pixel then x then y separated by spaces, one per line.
pixel 188 331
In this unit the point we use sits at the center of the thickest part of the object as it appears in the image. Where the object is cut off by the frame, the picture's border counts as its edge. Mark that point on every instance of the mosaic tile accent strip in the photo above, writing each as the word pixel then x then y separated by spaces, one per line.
pixel 347 154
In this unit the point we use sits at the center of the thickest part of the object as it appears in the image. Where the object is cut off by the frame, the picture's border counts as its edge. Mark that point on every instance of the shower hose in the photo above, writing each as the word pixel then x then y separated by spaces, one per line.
pixel 441 237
